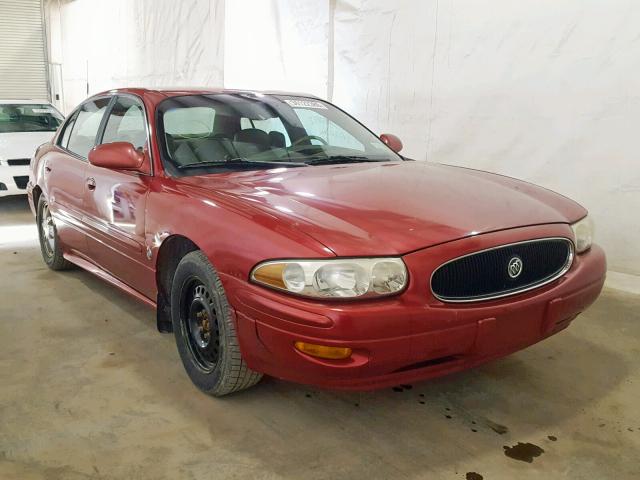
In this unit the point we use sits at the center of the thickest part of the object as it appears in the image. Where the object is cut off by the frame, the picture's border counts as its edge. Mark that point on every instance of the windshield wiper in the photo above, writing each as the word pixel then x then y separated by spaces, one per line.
pixel 332 159
pixel 241 162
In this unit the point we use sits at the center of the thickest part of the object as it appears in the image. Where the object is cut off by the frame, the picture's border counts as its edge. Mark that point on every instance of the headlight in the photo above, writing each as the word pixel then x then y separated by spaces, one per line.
pixel 334 278
pixel 583 232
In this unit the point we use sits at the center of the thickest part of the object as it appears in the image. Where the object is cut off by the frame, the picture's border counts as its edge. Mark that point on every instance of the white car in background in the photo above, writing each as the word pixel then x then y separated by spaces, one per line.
pixel 24 125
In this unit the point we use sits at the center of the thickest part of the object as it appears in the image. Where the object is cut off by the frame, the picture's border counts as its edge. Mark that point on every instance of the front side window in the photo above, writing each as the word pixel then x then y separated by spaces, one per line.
pixel 85 128
pixel 126 123
pixel 29 118
pixel 227 131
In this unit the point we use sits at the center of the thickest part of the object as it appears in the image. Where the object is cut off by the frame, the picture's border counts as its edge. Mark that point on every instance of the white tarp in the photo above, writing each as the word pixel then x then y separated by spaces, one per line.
pixel 545 91
pixel 279 45
pixel 541 90
pixel 122 43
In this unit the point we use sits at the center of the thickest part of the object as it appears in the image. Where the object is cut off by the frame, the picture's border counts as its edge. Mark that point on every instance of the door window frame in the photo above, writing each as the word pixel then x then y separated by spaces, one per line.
pixel 105 119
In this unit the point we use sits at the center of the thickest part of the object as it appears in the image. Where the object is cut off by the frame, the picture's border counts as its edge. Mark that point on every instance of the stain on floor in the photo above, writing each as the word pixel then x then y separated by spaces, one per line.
pixel 473 476
pixel 496 427
pixel 525 452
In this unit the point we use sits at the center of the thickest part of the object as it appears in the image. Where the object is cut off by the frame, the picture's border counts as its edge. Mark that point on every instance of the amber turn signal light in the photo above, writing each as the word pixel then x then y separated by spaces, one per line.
pixel 271 274
pixel 322 351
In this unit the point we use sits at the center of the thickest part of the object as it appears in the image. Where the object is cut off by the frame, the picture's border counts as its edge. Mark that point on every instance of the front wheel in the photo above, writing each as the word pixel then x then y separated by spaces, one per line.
pixel 204 329
pixel 49 240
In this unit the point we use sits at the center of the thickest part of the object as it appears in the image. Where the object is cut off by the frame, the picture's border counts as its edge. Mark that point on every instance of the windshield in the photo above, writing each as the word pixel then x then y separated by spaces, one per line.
pixel 229 131
pixel 28 118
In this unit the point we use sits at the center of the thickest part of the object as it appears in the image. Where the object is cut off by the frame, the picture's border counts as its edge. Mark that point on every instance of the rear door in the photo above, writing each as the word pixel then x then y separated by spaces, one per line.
pixel 115 201
pixel 64 172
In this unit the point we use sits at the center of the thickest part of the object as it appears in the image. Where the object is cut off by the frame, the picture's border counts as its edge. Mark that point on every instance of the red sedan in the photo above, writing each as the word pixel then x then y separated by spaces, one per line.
pixel 277 235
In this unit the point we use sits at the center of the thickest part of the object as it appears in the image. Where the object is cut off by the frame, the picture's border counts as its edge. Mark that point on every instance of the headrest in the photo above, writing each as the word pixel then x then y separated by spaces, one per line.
pixel 253 135
pixel 277 139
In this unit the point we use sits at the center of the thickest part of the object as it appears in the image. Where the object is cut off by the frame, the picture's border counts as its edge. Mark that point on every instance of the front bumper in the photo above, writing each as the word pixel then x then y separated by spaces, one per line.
pixel 13 180
pixel 412 336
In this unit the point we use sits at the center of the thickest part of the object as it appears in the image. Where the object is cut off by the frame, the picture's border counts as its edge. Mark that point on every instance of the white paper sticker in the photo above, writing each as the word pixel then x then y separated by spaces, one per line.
pixel 306 104
pixel 41 110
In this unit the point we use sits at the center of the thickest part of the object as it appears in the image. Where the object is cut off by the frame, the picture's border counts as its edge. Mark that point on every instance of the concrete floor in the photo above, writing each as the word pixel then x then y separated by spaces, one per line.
pixel 89 389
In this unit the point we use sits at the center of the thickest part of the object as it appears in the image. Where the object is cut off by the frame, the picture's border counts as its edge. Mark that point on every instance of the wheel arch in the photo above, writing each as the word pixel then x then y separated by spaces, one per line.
pixel 36 194
pixel 171 251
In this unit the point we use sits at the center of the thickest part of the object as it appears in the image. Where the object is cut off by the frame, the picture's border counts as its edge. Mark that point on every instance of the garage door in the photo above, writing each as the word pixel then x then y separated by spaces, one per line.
pixel 23 65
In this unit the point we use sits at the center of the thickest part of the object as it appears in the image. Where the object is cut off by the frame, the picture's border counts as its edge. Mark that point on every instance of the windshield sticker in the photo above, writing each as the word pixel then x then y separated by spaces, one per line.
pixel 306 104
pixel 41 110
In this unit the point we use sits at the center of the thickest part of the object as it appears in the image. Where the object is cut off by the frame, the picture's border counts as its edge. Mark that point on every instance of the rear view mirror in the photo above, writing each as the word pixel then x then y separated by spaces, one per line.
pixel 393 142
pixel 116 156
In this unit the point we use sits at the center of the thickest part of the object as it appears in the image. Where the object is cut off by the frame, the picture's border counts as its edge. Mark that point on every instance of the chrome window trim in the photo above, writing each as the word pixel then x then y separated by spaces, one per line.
pixel 484 298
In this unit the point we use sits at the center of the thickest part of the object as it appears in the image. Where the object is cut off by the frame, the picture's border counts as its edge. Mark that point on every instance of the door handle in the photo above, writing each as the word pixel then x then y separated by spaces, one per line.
pixel 91 183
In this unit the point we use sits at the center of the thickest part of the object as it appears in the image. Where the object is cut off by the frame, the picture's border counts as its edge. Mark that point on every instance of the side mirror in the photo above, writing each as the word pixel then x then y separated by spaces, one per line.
pixel 116 156
pixel 393 142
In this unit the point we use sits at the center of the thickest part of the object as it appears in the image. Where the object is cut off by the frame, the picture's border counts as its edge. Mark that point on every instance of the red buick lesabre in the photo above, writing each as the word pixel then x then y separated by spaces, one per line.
pixel 275 234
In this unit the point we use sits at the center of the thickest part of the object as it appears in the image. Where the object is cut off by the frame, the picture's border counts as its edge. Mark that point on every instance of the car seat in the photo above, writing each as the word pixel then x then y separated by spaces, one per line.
pixel 251 141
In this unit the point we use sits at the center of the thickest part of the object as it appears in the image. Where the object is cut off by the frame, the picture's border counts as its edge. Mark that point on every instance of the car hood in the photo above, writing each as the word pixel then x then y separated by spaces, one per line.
pixel 389 208
pixel 22 144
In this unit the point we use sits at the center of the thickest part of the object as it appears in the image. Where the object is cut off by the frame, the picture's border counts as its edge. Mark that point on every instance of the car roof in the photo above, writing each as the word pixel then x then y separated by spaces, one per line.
pixel 179 91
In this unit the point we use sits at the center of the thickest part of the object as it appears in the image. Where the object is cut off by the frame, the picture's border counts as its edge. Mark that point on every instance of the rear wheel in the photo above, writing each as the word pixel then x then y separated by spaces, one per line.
pixel 204 329
pixel 49 241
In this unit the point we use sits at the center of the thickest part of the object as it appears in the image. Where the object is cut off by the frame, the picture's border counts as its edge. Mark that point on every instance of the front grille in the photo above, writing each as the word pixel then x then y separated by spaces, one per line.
pixel 485 275
pixel 21 181
pixel 18 162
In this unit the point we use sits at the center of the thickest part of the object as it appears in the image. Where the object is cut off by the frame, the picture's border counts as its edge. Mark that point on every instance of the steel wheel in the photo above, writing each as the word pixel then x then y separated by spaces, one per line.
pixel 205 330
pixel 47 231
pixel 200 321
pixel 50 244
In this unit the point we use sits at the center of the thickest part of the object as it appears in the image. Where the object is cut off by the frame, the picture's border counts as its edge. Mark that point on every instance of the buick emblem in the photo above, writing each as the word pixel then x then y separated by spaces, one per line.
pixel 514 268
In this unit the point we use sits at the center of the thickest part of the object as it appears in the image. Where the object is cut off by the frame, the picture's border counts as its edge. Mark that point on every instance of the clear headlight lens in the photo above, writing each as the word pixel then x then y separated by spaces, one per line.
pixel 334 278
pixel 583 232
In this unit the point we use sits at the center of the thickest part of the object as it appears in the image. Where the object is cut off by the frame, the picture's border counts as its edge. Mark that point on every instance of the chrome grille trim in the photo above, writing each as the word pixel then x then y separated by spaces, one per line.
pixel 483 298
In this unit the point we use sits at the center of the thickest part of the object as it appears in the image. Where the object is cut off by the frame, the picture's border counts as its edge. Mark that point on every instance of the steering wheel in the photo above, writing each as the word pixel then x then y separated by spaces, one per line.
pixel 309 137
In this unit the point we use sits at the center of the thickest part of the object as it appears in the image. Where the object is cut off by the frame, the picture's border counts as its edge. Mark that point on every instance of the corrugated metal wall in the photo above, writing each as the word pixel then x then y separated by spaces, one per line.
pixel 23 63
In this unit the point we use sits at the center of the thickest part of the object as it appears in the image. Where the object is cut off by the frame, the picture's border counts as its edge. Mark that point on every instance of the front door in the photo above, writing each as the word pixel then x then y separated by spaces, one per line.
pixel 115 201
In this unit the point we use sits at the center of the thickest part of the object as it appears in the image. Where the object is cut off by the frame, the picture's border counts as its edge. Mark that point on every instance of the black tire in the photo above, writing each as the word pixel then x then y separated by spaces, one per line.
pixel 49 240
pixel 204 329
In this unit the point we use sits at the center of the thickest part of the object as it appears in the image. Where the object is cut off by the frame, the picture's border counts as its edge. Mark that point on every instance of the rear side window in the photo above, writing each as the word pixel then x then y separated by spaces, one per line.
pixel 189 122
pixel 272 126
pixel 126 123
pixel 85 128
pixel 64 140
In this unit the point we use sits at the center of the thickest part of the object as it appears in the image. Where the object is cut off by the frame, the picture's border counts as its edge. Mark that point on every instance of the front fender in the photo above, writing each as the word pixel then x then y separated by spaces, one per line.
pixel 234 236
